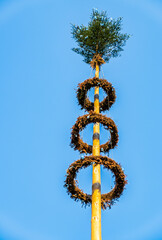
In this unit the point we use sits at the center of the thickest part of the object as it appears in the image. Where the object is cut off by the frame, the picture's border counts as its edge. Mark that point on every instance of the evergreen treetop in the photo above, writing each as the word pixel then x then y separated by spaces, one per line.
pixel 101 39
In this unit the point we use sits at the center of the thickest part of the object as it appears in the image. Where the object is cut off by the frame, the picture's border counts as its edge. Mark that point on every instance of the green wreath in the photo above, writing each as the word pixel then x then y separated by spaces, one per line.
pixel 78 144
pixel 84 101
pixel 106 199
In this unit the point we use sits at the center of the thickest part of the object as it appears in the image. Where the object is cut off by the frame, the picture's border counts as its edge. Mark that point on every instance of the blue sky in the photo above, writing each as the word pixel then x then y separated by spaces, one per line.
pixel 38 77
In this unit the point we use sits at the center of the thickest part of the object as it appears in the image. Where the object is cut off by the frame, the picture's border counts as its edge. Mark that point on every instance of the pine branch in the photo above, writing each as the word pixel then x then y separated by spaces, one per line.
pixel 102 36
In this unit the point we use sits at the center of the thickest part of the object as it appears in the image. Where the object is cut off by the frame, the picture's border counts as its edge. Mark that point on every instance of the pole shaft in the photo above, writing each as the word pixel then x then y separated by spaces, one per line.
pixel 96 178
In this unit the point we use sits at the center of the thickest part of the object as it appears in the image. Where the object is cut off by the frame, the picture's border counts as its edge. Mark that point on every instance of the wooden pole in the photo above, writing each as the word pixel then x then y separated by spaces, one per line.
pixel 96 178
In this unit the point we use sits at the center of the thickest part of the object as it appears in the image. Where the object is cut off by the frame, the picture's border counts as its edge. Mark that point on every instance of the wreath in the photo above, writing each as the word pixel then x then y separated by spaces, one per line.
pixel 106 199
pixel 78 144
pixel 84 101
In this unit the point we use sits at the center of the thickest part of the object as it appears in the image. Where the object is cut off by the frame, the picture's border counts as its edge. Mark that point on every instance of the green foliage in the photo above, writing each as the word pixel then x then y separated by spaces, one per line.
pixel 102 36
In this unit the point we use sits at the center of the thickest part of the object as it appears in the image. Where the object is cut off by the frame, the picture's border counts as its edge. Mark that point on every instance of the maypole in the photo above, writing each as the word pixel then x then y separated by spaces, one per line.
pixel 98 42
pixel 96 176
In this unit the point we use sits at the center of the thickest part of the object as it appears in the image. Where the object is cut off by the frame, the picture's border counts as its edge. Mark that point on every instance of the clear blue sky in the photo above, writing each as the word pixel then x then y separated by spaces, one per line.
pixel 38 77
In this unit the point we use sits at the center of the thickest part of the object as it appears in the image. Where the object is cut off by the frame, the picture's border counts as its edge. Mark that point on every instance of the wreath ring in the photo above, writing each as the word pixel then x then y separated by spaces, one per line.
pixel 106 199
pixel 82 121
pixel 84 101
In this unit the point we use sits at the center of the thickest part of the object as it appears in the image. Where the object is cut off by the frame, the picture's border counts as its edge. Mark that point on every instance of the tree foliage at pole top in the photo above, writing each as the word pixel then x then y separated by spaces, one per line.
pixel 101 39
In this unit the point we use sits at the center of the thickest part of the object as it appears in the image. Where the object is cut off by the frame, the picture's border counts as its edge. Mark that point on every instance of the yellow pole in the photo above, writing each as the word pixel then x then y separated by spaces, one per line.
pixel 96 178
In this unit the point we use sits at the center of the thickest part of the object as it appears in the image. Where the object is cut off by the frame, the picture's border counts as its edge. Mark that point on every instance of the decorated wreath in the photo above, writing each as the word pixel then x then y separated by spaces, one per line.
pixel 83 88
pixel 106 199
pixel 78 144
